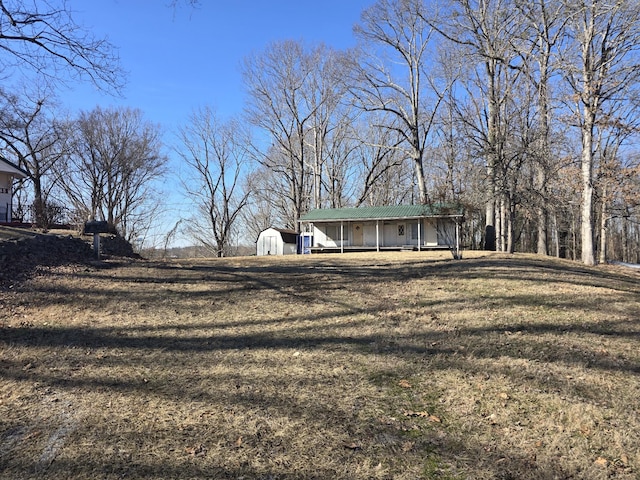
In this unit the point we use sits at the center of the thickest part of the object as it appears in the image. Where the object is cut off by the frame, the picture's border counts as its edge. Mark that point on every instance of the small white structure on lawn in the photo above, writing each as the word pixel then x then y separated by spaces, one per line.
pixel 277 241
pixel 8 172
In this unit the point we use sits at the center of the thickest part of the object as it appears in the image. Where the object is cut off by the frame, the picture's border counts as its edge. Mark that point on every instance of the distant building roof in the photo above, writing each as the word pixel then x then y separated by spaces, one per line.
pixel 394 212
pixel 288 236
pixel 7 167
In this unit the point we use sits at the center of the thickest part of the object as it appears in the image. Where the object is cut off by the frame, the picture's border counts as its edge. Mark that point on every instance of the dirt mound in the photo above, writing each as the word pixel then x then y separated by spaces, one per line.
pixel 31 253
pixel 115 245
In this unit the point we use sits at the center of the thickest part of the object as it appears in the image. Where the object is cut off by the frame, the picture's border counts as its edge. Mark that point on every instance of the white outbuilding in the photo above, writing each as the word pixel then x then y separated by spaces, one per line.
pixel 277 241
pixel 8 172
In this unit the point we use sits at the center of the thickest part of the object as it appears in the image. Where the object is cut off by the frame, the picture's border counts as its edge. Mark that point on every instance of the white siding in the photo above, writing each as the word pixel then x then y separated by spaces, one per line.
pixel 289 249
pixel 5 197
pixel 389 236
pixel 331 234
pixel 369 237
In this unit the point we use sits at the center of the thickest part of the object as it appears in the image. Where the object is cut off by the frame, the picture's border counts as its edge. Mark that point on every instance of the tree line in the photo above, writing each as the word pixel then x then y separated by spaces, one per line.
pixel 525 113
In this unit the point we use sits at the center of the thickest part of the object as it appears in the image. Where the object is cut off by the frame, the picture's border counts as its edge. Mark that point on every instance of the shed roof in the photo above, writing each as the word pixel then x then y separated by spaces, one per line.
pixel 288 236
pixel 394 212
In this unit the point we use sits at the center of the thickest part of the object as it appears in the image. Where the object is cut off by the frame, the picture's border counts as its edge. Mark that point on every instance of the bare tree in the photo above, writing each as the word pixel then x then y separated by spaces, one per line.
pixel 276 80
pixel 295 95
pixel 545 21
pixel 267 206
pixel 616 191
pixel 33 138
pixel 216 155
pixel 383 177
pixel 114 156
pixel 41 37
pixel 40 40
pixel 600 64
pixel 487 32
pixel 328 138
pixel 393 75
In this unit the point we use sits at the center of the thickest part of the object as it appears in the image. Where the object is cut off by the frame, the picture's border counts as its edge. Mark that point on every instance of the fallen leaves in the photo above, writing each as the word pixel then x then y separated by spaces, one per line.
pixel 422 414
pixel 603 462
pixel 197 451
pixel 352 446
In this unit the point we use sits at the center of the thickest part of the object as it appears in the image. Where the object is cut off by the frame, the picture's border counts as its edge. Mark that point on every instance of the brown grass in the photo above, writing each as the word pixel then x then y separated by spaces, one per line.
pixel 359 366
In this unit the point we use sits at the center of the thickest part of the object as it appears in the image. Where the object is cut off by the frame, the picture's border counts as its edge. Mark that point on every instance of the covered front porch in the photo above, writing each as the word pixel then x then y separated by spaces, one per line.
pixel 404 227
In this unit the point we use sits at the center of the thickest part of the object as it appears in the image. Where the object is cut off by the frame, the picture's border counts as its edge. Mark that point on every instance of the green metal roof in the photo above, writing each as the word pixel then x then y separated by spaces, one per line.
pixel 395 212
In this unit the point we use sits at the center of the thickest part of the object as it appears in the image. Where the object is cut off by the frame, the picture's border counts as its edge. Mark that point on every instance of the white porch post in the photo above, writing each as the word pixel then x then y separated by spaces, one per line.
pixel 457 240
pixel 377 235
pixel 341 237
pixel 10 204
pixel 312 232
pixel 419 232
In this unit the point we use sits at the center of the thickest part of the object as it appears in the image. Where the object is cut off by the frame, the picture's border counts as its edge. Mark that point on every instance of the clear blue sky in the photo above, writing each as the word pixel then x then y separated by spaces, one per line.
pixel 184 58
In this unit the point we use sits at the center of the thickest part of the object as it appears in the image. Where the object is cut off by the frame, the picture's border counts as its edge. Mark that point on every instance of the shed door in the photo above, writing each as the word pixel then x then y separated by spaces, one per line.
pixel 270 245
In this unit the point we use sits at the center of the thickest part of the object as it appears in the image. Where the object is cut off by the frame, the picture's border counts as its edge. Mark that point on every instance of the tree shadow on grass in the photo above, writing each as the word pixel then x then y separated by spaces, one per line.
pixel 155 348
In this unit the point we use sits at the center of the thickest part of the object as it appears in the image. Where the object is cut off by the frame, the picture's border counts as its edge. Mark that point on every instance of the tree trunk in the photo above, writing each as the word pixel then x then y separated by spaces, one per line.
pixel 511 227
pixel 490 229
pixel 317 169
pixel 603 229
pixel 503 223
pixel 542 247
pixel 38 203
pixel 625 241
pixel 586 207
pixel 492 160
pixel 556 235
pixel 422 188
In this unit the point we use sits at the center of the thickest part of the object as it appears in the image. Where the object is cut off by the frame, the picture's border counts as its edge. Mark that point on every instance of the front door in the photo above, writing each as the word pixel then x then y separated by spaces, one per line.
pixel 402 234
pixel 358 228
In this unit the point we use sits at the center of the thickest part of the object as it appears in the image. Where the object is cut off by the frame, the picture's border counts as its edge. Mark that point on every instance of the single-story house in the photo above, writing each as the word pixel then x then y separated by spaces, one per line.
pixel 400 227
pixel 8 172
pixel 277 241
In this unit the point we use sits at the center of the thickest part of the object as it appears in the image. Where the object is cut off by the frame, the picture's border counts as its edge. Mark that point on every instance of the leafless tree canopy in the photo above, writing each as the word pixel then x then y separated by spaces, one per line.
pixel 41 36
pixel 216 157
pixel 32 138
pixel 113 157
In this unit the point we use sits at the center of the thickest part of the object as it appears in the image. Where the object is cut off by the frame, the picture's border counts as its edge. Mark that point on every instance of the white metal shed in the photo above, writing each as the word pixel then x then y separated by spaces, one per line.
pixel 277 241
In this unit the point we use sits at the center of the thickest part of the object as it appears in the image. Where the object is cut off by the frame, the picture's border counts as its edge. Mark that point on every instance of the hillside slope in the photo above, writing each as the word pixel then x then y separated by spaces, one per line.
pixel 24 253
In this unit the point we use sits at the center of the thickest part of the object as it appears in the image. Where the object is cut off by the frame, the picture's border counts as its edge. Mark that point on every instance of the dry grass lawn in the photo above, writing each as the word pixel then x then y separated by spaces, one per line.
pixel 358 366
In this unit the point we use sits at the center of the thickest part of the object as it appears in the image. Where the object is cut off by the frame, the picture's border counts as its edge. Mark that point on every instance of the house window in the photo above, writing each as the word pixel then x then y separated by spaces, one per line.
pixel 401 230
pixel 332 232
